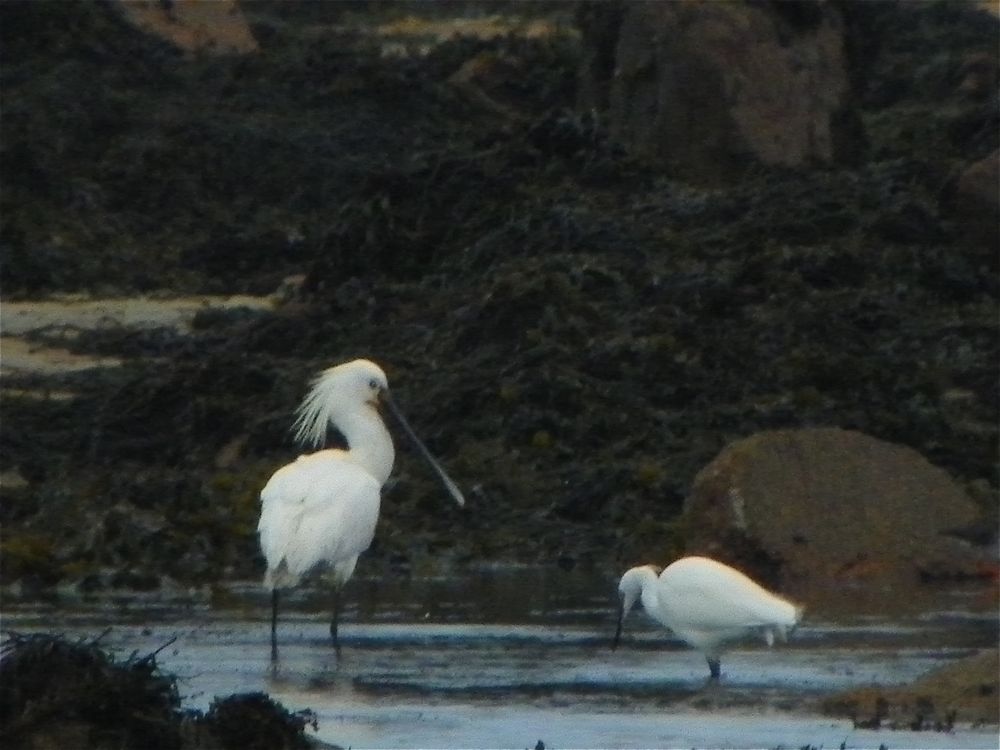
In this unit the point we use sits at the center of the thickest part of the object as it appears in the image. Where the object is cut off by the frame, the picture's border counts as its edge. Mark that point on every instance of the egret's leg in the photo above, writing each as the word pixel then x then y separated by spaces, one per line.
pixel 713 666
pixel 336 618
pixel 274 624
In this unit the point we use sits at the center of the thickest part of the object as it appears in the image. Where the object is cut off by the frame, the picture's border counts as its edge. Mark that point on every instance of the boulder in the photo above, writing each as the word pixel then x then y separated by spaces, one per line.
pixel 965 689
pixel 979 76
pixel 707 87
pixel 975 200
pixel 830 503
pixel 216 27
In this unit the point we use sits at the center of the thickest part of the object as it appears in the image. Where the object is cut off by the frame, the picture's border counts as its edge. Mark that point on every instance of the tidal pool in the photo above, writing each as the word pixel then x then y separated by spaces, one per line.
pixel 504 658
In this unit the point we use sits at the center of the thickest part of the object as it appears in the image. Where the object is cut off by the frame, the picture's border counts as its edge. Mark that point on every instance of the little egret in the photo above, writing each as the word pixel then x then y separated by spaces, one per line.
pixel 705 603
pixel 321 509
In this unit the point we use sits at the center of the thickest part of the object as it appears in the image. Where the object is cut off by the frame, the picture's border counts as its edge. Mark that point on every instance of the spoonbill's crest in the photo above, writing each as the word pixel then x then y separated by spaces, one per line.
pixel 322 508
pixel 706 604
pixel 337 392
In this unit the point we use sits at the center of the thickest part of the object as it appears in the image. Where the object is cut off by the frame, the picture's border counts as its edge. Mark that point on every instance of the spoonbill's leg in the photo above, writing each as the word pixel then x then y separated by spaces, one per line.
pixel 713 666
pixel 274 624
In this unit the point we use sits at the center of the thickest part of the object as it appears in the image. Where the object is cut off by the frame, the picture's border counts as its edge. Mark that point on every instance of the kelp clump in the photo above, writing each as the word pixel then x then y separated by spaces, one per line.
pixel 59 693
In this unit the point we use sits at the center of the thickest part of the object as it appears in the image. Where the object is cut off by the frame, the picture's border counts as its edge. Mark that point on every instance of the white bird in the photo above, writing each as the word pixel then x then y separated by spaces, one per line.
pixel 706 604
pixel 321 509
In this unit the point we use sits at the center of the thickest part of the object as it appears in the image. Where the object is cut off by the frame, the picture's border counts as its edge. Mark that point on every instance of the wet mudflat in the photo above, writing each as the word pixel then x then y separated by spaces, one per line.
pixel 467 663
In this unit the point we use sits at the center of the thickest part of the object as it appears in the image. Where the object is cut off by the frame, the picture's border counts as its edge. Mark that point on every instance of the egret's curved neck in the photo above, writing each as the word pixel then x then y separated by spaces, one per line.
pixel 368 441
pixel 649 595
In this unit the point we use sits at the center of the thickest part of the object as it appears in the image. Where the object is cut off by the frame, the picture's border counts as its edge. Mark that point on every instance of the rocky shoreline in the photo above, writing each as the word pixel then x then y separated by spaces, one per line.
pixel 574 332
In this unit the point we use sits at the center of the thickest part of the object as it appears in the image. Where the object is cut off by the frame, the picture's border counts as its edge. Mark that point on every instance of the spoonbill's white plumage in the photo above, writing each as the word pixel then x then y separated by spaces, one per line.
pixel 321 509
pixel 706 604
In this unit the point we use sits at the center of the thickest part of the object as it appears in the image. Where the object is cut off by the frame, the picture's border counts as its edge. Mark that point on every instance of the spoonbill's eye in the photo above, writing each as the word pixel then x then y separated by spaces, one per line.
pixel 373 384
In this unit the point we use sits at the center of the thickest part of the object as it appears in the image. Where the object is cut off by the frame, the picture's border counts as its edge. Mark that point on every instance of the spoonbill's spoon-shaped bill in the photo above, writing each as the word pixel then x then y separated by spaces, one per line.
pixel 706 604
pixel 449 485
pixel 322 509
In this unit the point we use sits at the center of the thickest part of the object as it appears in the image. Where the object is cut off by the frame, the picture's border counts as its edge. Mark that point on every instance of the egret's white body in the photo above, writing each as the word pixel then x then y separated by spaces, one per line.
pixel 322 509
pixel 707 604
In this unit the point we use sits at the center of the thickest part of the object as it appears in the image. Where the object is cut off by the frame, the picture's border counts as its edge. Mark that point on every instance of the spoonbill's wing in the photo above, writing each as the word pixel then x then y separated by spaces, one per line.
pixel 320 508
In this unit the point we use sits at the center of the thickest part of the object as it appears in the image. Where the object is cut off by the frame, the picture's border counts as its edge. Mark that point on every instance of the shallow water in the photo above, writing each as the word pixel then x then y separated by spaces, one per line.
pixel 507 657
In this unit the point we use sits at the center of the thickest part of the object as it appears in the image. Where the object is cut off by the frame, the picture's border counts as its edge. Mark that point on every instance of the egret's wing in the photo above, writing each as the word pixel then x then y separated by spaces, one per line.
pixel 718 597
pixel 320 508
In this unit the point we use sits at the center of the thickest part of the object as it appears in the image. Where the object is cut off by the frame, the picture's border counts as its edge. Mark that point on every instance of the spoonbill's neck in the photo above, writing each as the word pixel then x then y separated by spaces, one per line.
pixel 368 441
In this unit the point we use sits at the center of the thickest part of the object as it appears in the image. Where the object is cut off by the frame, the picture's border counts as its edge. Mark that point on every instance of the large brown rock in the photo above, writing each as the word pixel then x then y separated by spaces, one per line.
pixel 976 200
pixel 195 26
pixel 830 503
pixel 706 87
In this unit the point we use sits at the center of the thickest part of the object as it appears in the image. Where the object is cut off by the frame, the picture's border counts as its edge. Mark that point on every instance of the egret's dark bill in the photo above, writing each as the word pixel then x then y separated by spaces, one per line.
pixel 621 619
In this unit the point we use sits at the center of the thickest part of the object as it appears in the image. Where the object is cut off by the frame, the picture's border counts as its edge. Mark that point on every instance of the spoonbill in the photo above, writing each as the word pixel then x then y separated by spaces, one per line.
pixel 706 604
pixel 321 509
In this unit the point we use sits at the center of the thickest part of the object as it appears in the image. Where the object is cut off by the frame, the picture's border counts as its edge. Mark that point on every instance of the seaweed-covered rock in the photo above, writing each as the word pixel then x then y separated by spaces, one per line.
pixel 573 332
pixel 830 502
pixel 703 87
pixel 975 199
pixel 59 693
pixel 56 693
pixel 253 721
pixel 966 691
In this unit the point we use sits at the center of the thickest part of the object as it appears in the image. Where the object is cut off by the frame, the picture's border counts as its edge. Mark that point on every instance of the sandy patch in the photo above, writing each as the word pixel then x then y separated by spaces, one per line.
pixel 17 319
